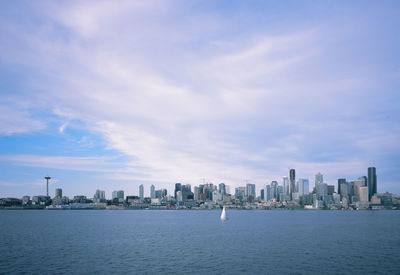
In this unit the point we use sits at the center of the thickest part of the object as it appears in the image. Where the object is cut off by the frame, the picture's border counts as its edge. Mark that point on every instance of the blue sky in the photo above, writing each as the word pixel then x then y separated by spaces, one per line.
pixel 113 94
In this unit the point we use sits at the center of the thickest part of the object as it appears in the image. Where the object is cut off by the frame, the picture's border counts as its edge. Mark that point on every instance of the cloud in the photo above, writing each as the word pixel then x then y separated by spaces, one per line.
pixel 62 128
pixel 16 121
pixel 90 164
pixel 191 96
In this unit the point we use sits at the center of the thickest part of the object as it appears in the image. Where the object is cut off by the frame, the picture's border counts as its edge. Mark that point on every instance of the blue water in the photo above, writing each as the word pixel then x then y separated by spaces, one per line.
pixel 170 242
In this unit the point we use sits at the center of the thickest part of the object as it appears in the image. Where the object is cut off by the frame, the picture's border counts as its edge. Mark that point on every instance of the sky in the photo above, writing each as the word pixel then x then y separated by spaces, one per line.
pixel 113 94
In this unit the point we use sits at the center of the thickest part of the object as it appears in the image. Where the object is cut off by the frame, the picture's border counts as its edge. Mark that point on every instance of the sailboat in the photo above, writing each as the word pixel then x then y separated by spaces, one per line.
pixel 223 215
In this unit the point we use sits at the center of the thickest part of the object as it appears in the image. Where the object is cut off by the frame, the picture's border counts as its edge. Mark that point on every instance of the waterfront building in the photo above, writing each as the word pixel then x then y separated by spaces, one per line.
pixel 292 177
pixel 196 193
pixel 118 195
pixel 222 188
pixel 141 191
pixel 331 190
pixel 306 187
pixel 321 190
pixel 340 181
pixel 303 187
pixel 280 194
pixel 250 191
pixel 217 196
pixel 99 196
pixel 152 192
pixel 286 186
pixel 274 189
pixel 372 182
pixel 262 196
pixel 178 187
pixel 26 200
pixel 58 192
pixel 343 191
pixel 240 193
pixel 319 178
pixel 363 194
pixel 268 193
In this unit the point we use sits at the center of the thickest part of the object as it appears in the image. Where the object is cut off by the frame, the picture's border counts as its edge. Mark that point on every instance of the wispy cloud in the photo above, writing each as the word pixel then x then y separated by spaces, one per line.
pixel 190 96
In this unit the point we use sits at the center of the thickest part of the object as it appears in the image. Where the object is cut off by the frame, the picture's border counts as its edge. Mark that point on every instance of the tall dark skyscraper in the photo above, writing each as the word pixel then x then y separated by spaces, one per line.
pixel 292 178
pixel 178 187
pixel 371 182
pixel 339 182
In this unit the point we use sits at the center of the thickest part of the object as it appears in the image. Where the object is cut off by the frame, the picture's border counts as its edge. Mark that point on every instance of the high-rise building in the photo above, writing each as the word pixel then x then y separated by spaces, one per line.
pixel 292 177
pixel 141 191
pixel 178 187
pixel 250 191
pixel 58 192
pixel 319 178
pixel 222 188
pixel 240 193
pixel 262 195
pixel 152 192
pixel 286 186
pixel 267 192
pixel 196 193
pixel 372 182
pixel 339 182
pixel 118 195
pixel 274 189
pixel 306 187
pixel 331 189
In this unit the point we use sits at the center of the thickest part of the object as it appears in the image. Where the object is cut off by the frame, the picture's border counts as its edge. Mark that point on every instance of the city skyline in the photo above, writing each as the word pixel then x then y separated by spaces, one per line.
pixel 113 95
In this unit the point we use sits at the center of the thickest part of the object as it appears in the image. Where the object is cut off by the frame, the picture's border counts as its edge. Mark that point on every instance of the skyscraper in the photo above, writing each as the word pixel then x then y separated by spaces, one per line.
pixel 292 177
pixel 58 192
pixel 141 191
pixel 178 187
pixel 319 178
pixel 339 182
pixel 222 188
pixel 372 184
pixel 250 191
pixel 286 186
pixel 152 192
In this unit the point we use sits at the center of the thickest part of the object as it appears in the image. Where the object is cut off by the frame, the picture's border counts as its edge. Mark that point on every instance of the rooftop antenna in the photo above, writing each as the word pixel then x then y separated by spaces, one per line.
pixel 47 178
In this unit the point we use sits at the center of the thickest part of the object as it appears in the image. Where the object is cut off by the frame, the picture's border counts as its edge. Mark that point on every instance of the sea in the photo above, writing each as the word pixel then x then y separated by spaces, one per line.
pixel 198 242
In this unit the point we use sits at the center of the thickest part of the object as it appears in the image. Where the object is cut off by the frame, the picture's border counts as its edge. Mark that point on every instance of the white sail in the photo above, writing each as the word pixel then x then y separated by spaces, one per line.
pixel 223 214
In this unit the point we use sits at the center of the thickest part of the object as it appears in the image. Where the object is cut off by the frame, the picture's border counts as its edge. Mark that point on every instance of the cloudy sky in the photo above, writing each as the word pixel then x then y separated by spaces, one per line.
pixel 113 94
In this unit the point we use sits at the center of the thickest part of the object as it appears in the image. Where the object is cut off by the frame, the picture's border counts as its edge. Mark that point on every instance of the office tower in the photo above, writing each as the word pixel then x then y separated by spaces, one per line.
pixel 222 188
pixel 240 193
pixel 163 193
pixel 364 179
pixel 363 194
pixel 340 181
pixel 99 196
pixel 186 192
pixel 292 176
pixel 331 189
pixel 262 195
pixel 250 191
pixel 286 186
pixel 268 192
pixel 178 187
pixel 58 192
pixel 344 191
pixel 319 178
pixel 306 187
pixel 274 189
pixel 118 195
pixel 141 191
pixel 280 194
pixel 196 193
pixel 372 183
pixel 322 190
pixel 152 192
